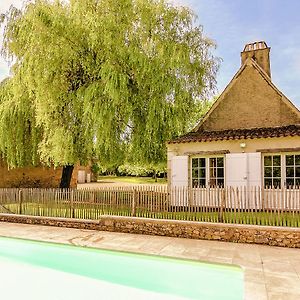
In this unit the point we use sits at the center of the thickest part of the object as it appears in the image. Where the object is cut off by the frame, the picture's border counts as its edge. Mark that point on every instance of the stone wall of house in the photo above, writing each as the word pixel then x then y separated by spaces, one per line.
pixel 33 177
pixel 265 235
pixel 250 102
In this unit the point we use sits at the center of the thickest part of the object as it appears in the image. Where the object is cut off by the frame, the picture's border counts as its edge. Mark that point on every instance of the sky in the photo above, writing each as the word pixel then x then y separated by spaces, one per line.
pixel 234 23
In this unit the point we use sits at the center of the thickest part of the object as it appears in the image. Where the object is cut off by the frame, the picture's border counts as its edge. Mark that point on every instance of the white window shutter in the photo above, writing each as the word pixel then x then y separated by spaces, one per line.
pixel 236 169
pixel 179 171
pixel 255 169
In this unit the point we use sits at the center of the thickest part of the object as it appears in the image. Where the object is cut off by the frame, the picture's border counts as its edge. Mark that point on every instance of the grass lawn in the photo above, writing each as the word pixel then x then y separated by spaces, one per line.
pixel 92 211
pixel 132 179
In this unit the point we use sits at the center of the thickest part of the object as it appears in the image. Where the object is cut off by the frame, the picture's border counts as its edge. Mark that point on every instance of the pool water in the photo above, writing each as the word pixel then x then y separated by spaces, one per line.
pixel 39 270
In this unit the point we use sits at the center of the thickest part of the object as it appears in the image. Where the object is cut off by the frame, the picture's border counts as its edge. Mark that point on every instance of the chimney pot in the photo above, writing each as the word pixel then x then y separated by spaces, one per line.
pixel 260 52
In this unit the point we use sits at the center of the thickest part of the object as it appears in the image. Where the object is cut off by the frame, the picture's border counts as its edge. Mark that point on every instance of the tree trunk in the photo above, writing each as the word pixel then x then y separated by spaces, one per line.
pixel 155 176
pixel 66 176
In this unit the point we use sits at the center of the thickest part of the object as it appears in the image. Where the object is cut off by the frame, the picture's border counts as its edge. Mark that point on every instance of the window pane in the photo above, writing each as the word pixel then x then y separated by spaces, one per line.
pixel 268 172
pixel 297 173
pixel 297 183
pixel 212 173
pixel 220 162
pixel 276 182
pixel 289 160
pixel 276 160
pixel 297 160
pixel 220 172
pixel 195 183
pixel 268 182
pixel 289 181
pixel 290 172
pixel 195 173
pixel 213 181
pixel 194 162
pixel 276 172
pixel 202 162
pixel 213 162
pixel 268 160
pixel 202 182
pixel 220 182
pixel 202 173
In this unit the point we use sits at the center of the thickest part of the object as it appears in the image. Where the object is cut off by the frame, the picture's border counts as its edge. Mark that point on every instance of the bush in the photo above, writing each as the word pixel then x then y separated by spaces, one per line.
pixel 142 171
pixel 134 170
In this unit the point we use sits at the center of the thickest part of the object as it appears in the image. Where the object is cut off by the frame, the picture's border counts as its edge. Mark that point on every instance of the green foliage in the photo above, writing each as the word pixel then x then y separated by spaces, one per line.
pixel 19 133
pixel 95 169
pixel 135 170
pixel 201 109
pixel 129 169
pixel 105 78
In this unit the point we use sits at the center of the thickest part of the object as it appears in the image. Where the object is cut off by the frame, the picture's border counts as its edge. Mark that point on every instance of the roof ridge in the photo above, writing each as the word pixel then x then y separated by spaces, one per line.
pixel 251 128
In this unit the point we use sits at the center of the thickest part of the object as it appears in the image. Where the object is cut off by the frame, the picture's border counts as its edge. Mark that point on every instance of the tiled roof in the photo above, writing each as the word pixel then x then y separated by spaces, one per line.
pixel 238 134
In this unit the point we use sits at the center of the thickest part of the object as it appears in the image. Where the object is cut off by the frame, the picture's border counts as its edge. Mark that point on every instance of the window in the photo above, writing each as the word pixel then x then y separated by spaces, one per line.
pixel 198 172
pixel 281 170
pixel 272 171
pixel 216 171
pixel 292 169
pixel 207 171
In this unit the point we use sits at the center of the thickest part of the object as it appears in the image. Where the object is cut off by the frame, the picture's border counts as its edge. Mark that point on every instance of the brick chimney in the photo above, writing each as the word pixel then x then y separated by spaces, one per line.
pixel 260 52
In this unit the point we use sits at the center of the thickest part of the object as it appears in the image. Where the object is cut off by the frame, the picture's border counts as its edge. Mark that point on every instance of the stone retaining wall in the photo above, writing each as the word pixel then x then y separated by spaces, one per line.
pixel 266 235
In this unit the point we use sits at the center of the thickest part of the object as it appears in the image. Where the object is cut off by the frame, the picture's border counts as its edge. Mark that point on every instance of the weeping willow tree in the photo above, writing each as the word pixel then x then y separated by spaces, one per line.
pixel 19 133
pixel 104 78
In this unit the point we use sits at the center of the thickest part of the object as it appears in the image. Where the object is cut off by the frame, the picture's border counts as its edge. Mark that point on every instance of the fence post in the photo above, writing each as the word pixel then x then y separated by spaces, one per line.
pixel 20 201
pixel 222 205
pixel 133 207
pixel 190 199
pixel 72 214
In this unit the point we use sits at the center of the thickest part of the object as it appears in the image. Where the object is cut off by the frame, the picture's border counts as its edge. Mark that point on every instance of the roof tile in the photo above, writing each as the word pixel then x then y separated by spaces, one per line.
pixel 238 134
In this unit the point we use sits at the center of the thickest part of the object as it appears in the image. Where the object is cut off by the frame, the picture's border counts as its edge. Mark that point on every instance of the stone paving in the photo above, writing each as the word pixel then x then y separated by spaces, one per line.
pixel 270 272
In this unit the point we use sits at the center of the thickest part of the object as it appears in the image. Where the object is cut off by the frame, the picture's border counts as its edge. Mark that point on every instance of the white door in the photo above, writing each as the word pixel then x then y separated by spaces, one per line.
pixel 236 169
pixel 88 177
pixel 81 176
pixel 243 169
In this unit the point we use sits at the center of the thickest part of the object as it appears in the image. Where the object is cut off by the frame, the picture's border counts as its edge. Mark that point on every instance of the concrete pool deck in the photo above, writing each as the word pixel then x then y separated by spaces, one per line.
pixel 270 272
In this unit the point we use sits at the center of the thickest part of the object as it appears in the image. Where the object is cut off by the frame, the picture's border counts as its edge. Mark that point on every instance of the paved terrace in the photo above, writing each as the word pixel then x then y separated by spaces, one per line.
pixel 270 272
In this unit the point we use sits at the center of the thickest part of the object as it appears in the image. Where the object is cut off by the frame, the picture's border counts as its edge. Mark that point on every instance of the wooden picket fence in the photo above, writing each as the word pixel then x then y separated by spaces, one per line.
pixel 238 205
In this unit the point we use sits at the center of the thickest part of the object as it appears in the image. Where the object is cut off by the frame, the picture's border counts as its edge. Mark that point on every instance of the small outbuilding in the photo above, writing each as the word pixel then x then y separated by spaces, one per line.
pixel 33 177
pixel 249 137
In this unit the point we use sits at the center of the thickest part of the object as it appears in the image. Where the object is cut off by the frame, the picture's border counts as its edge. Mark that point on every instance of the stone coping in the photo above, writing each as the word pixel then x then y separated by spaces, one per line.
pixel 238 233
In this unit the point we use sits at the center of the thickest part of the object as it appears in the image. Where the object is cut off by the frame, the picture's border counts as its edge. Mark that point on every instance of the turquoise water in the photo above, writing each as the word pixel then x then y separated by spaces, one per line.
pixel 166 276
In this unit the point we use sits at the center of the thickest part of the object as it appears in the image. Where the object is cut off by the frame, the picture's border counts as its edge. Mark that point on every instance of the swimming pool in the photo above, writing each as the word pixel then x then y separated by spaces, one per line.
pixel 38 270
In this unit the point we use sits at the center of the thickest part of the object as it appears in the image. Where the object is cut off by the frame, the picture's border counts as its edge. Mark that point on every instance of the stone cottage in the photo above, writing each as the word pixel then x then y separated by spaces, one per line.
pixel 33 177
pixel 249 137
pixel 42 176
